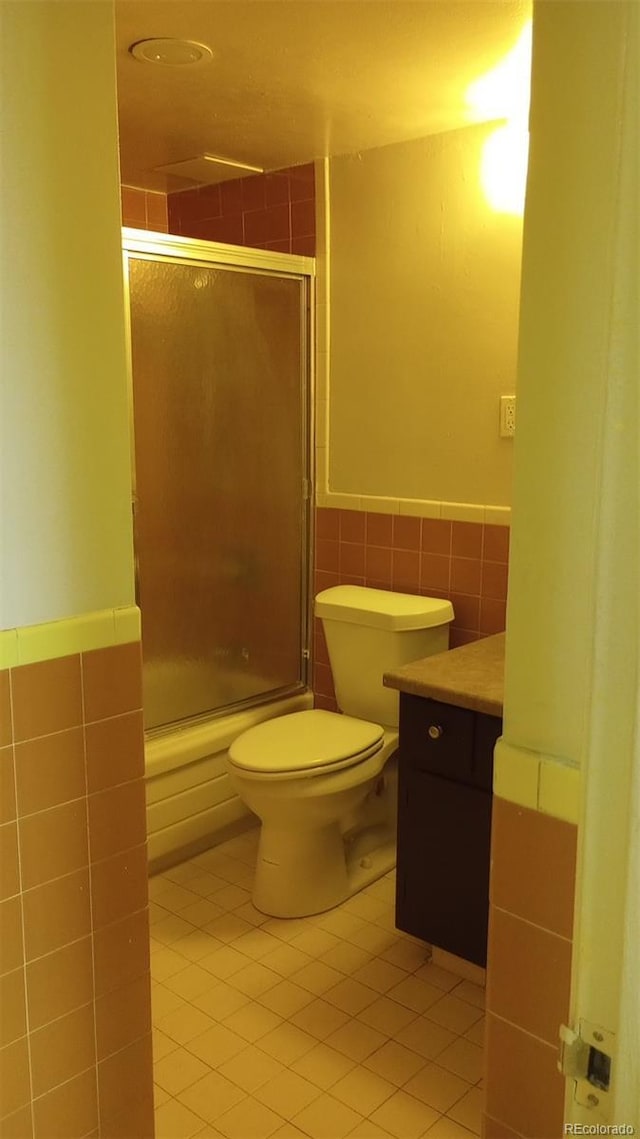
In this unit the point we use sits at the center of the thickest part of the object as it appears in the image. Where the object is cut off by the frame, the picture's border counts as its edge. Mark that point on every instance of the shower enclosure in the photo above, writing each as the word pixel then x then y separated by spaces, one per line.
pixel 220 378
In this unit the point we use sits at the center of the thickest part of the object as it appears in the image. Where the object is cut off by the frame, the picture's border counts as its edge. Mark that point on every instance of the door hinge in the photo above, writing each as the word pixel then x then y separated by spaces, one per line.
pixel 586 1056
pixel 306 489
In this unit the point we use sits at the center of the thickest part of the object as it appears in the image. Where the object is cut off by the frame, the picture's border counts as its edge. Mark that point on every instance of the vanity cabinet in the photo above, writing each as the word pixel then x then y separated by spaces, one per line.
pixel 444 824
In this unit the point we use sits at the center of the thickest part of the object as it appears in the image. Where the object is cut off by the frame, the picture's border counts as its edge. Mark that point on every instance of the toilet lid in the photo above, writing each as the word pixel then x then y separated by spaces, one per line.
pixel 303 741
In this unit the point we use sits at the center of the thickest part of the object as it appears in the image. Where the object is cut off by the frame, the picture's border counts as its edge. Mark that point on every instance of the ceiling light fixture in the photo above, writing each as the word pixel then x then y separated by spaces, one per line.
pixel 170 52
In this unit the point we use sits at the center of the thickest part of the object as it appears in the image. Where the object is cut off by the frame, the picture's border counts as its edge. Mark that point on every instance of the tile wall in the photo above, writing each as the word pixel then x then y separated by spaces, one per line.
pixel 464 561
pixel 265 211
pixel 144 209
pixel 75 1047
pixel 529 971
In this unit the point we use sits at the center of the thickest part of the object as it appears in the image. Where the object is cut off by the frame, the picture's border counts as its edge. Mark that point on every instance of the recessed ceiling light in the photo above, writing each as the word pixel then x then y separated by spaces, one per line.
pixel 171 53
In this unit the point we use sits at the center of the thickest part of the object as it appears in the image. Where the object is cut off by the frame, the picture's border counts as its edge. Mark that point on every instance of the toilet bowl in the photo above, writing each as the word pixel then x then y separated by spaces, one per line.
pixel 323 783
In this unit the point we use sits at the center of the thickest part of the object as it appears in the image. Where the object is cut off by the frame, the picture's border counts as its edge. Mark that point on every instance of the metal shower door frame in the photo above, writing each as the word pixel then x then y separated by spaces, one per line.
pixel 189 251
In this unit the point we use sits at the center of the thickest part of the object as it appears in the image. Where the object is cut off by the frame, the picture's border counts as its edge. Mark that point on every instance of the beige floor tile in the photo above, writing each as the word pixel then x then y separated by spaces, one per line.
pixel 476 1034
pixel 160 1096
pixel 249 1120
pixel 175 1121
pixel 157 913
pixel 350 996
pixel 315 942
pixel 205 885
pixel 404 1117
pixel 170 895
pixel 317 977
pixel 181 873
pixel 284 998
pixel 339 922
pixel 211 1096
pixel 209 1133
pixel 320 1019
pixel 367 907
pixel 186 1023
pixel 162 1044
pixel 394 1063
pixel 373 938
pixel 346 958
pixel 446 1128
pixel 388 1016
pixel 468 1110
pixel 190 982
pixel 248 912
pixel 379 975
pixel 287 1094
pixel 163 1002
pixel 250 1069
pixel 256 943
pixel 408 955
pixel 255 979
pixel 288 1131
pixel 457 1016
pixel 165 962
pixel 287 1043
pixel 464 1059
pixel 415 994
pixel 196 945
pixel 362 1090
pixel 368 1130
pixel 434 975
pixel 171 929
pixel 285 929
pixel 252 1021
pixel 221 1001
pixel 178 1071
pixel 201 912
pixel 230 897
pixel 425 1037
pixel 225 962
pixel 355 1040
pixel 228 927
pixel 286 960
pixel 436 1087
pixel 216 1045
pixel 473 994
pixel 327 1118
pixel 323 1066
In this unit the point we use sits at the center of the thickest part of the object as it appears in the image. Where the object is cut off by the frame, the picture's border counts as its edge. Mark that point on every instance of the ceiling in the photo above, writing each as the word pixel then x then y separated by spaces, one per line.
pixel 293 80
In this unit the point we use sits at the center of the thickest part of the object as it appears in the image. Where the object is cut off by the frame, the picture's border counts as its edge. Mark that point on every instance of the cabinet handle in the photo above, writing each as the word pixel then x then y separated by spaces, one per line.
pixel 435 731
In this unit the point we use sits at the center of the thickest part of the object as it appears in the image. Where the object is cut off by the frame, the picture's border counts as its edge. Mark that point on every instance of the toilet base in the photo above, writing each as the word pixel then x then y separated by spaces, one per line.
pixel 302 874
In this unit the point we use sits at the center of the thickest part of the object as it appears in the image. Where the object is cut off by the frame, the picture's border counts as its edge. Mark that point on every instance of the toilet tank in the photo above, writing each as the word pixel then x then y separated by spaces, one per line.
pixel 373 631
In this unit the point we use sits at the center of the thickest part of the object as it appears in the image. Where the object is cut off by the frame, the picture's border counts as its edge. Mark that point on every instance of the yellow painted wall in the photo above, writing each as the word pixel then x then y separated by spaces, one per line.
pixel 424 291
pixel 565 374
pixel 66 519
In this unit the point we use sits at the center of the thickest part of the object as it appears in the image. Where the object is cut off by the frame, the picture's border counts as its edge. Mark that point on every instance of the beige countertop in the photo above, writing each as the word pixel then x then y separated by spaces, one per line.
pixel 470 677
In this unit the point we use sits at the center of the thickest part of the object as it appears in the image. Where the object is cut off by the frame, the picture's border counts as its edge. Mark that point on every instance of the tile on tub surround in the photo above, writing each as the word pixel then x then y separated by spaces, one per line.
pixel 465 561
pixel 264 211
pixel 74 880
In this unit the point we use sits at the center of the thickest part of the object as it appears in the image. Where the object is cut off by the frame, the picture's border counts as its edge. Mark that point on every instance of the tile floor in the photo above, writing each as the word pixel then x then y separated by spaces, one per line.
pixel 314 1028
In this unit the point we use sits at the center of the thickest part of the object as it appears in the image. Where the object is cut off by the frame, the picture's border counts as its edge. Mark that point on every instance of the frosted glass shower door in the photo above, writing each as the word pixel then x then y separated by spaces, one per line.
pixel 218 362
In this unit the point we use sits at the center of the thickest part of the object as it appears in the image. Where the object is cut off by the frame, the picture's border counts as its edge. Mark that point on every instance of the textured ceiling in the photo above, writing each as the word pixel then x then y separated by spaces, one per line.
pixel 292 80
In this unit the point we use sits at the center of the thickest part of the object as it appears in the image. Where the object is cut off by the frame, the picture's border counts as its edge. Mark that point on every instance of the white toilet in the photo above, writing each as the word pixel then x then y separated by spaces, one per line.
pixel 322 783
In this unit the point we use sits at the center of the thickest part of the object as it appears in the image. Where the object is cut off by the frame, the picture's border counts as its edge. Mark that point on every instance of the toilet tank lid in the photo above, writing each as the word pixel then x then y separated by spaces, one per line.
pixel 381 608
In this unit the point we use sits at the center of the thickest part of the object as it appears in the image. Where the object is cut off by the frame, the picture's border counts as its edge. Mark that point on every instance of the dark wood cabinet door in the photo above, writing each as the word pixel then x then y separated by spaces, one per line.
pixel 444 832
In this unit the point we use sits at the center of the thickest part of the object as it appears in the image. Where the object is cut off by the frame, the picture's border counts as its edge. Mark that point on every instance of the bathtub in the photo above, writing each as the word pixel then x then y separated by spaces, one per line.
pixel 190 802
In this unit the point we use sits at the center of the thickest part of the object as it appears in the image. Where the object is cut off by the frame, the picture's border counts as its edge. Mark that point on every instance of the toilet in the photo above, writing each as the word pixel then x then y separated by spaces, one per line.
pixel 324 783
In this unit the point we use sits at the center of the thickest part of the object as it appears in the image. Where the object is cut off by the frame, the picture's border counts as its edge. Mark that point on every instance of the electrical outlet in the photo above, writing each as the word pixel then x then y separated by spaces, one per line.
pixel 507 416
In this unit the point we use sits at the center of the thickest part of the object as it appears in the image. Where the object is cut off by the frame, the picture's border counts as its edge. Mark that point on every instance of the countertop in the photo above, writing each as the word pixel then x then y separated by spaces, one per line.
pixel 470 677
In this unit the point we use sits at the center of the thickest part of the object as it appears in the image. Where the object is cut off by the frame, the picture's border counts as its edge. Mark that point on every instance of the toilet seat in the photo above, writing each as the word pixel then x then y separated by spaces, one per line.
pixel 305 743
